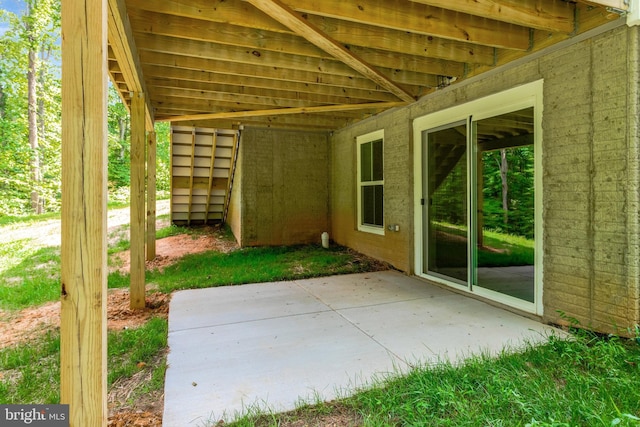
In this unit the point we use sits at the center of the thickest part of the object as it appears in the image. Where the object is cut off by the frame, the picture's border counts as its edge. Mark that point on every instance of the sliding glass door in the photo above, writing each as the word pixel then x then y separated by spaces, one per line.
pixel 479 193
pixel 445 217
pixel 505 204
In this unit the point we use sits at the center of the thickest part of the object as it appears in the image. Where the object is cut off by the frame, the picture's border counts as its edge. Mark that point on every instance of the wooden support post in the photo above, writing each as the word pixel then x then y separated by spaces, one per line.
pixel 83 328
pixel 151 196
pixel 137 238
pixel 212 165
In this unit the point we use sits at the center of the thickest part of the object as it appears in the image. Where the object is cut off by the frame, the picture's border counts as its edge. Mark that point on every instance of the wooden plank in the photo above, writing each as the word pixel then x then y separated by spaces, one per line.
pixel 556 16
pixel 151 196
pixel 420 19
pixel 211 168
pixel 280 61
pixel 83 326
pixel 280 111
pixel 137 207
pixel 287 74
pixel 192 175
pixel 260 40
pixel 279 95
pixel 125 51
pixel 232 171
pixel 286 16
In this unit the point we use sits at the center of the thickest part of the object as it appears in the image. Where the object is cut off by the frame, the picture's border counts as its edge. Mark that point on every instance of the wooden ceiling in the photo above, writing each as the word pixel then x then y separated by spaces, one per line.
pixel 321 64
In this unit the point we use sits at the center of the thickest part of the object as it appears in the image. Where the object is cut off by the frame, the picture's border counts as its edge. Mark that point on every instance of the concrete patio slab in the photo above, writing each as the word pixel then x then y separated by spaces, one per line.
pixel 276 345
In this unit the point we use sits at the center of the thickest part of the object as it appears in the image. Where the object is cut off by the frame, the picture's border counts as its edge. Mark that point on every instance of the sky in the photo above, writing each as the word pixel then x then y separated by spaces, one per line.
pixel 15 6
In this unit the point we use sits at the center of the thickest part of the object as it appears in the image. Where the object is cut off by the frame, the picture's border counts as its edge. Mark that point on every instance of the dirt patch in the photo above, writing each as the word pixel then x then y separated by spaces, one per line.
pixel 20 327
pixel 171 249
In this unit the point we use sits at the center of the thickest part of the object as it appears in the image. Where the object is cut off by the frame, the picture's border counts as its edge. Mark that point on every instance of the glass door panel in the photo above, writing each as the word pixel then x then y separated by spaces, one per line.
pixel 445 211
pixel 505 223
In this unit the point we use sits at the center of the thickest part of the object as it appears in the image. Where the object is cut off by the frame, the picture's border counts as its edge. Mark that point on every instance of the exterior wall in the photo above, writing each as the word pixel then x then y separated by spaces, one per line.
pixel 590 176
pixel 234 215
pixel 284 180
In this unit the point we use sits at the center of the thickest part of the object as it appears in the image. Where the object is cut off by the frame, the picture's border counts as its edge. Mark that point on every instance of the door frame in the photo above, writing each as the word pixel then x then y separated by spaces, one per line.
pixel 528 95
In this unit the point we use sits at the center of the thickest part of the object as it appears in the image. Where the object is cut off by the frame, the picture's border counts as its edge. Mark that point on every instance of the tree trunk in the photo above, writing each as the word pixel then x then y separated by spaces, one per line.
pixel 36 201
pixel 505 186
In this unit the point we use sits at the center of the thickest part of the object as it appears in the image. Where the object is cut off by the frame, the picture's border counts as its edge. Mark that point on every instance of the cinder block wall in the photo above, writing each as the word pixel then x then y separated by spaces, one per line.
pixel 284 179
pixel 591 178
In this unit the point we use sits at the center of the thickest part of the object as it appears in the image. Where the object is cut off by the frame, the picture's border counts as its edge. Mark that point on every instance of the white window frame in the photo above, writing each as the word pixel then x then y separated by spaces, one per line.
pixel 519 97
pixel 364 139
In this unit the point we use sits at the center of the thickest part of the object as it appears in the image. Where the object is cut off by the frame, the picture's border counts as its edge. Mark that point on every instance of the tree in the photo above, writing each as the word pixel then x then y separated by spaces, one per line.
pixel 29 70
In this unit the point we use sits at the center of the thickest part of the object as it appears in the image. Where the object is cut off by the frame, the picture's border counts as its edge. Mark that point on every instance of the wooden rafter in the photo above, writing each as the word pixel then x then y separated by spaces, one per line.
pixel 124 49
pixel 281 111
pixel 227 62
pixel 300 26
pixel 552 16
pixel 420 19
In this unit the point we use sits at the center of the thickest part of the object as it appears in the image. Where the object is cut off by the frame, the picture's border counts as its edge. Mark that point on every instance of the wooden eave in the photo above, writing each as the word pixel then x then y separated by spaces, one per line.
pixel 309 64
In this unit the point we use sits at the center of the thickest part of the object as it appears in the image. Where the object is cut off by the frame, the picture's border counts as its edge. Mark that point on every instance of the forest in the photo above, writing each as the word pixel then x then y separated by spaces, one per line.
pixel 30 117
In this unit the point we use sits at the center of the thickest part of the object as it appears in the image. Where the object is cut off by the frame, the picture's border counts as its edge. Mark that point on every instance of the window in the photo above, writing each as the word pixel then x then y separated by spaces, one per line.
pixel 371 182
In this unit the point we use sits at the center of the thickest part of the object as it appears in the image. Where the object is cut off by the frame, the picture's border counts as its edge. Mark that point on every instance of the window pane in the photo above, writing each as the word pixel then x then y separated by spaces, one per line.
pixel 447 202
pixel 365 162
pixel 379 199
pixel 377 164
pixel 372 205
pixel 368 203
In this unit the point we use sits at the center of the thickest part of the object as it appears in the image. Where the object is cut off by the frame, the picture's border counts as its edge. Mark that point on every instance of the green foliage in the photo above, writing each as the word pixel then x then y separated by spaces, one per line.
pixel 35 31
pixel 520 177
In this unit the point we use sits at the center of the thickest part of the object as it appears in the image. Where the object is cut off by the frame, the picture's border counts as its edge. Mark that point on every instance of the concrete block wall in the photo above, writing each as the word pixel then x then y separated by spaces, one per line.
pixel 395 246
pixel 284 178
pixel 590 174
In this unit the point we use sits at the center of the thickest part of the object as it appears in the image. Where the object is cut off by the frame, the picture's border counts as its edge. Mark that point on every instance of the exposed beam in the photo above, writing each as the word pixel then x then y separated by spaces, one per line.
pixel 281 111
pixel 124 49
pixel 83 319
pixel 300 26
pixel 233 35
pixel 282 61
pixel 557 16
pixel 258 87
pixel 137 206
pixel 234 12
pixel 151 195
pixel 310 77
pixel 421 19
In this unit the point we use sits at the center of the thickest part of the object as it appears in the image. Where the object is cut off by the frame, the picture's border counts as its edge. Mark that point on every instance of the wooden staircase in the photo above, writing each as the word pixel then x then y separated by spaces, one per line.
pixel 202 167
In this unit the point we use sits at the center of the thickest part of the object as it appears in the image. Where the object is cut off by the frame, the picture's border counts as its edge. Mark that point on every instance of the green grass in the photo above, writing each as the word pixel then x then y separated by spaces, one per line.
pixel 584 381
pixel 505 249
pixel 28 277
pixel 261 264
pixel 30 373
pixel 8 220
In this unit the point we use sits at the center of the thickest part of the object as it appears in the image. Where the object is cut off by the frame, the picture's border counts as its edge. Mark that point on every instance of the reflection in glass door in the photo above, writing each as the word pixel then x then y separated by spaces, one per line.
pixel 505 204
pixel 445 211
